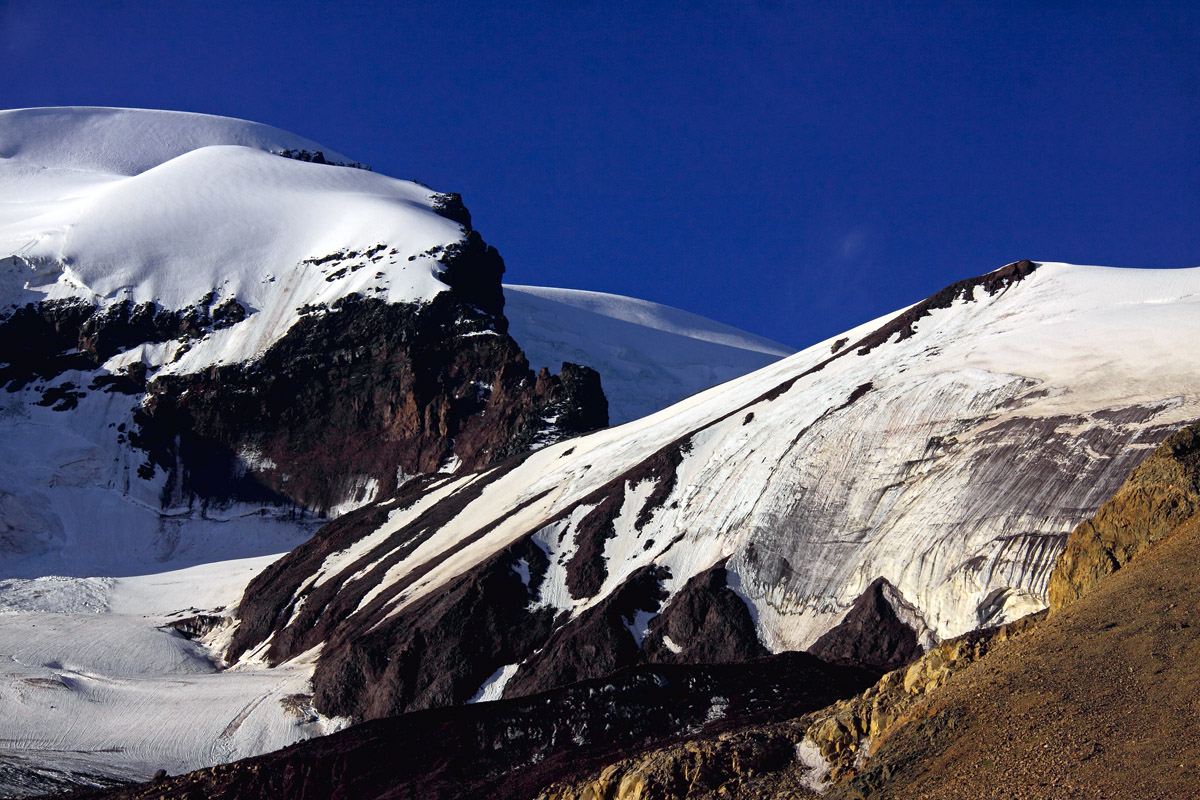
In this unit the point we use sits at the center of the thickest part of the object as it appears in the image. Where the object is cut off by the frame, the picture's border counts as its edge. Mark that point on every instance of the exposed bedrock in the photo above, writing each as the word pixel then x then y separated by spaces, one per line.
pixel 871 634
pixel 442 649
pixel 705 622
pixel 337 411
pixel 40 341
pixel 351 396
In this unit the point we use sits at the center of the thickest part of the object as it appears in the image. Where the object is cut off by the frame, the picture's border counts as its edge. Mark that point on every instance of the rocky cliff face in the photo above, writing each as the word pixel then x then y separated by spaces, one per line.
pixel 871 634
pixel 355 398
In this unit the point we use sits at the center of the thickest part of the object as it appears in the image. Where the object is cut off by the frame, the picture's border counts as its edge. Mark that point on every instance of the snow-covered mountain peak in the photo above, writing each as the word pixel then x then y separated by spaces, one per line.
pixel 650 355
pixel 181 210
pixel 129 141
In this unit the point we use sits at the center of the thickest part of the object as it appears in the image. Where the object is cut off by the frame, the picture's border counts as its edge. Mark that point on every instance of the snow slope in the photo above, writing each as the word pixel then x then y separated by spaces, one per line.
pixel 648 355
pixel 109 205
pixel 92 688
pixel 952 462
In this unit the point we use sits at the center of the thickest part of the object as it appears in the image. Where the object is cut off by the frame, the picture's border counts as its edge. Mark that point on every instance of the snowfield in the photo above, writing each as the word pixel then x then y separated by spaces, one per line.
pixel 649 356
pixel 93 688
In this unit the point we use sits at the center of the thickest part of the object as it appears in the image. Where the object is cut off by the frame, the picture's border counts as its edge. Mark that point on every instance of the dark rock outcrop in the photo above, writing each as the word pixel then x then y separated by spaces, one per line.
pixel 598 641
pixel 441 650
pixel 870 635
pixel 40 341
pixel 706 623
pixel 356 393
pixel 329 413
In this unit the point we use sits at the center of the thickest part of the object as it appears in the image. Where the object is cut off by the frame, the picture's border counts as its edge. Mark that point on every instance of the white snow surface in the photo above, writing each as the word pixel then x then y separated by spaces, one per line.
pixel 649 356
pixel 91 685
pixel 952 463
pixel 120 204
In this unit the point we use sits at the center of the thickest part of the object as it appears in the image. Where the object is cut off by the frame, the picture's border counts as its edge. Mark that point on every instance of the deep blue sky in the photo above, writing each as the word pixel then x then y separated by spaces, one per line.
pixel 792 169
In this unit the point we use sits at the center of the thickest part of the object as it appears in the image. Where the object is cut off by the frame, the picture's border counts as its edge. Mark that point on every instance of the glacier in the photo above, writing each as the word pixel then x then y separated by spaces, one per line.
pixel 948 449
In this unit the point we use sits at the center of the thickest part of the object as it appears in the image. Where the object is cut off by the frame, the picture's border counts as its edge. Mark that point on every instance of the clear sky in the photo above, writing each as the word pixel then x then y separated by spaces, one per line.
pixel 790 168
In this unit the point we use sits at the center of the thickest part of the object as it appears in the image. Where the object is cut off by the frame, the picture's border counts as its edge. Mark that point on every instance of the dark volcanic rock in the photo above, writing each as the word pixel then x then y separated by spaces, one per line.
pixel 707 621
pixel 474 270
pixel 348 396
pixel 439 651
pixel 512 748
pixel 450 205
pixel 595 643
pixel 870 635
pixel 45 339
pixel 587 569
pixel 275 597
pixel 441 648
pixel 356 393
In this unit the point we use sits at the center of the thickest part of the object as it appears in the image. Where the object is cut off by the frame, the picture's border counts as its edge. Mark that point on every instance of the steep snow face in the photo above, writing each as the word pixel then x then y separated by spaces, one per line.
pixel 109 205
pixel 649 356
pixel 948 452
